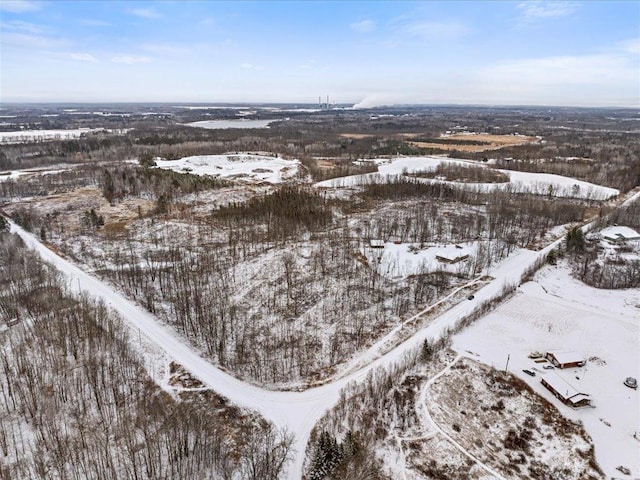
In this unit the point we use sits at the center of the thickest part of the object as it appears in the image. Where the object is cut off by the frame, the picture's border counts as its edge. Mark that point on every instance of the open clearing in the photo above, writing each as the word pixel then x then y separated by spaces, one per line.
pixel 501 423
pixel 489 142
pixel 240 166
pixel 536 183
pixel 557 312
pixel 224 124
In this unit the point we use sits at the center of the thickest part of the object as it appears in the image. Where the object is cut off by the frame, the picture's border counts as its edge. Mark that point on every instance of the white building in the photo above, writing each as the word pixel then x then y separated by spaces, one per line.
pixel 617 234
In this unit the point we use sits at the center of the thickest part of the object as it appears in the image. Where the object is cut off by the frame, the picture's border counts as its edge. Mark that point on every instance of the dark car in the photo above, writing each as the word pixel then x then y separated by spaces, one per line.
pixel 529 372
pixel 470 297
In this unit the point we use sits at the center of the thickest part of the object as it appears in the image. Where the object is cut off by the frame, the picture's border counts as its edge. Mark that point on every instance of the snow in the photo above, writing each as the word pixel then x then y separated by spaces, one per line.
pixel 12 175
pixel 563 387
pixel 538 183
pixel 243 165
pixel 298 412
pixel 224 124
pixel 619 232
pixel 23 136
pixel 405 259
pixel 4 176
pixel 556 311
pixel 567 356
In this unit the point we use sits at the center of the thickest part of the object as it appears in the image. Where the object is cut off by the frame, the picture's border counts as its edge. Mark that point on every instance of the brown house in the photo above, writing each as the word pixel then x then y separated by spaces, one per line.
pixel 564 391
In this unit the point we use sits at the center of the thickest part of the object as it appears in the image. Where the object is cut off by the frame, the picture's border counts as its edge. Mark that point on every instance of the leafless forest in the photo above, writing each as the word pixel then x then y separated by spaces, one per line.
pixel 77 402
pixel 284 270
pixel 282 284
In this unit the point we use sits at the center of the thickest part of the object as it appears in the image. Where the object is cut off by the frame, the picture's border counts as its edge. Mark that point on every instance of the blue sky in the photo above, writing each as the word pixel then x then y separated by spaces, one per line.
pixel 499 52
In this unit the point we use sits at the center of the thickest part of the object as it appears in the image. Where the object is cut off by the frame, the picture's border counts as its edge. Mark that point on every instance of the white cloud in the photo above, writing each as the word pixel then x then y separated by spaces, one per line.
pixel 19 6
pixel 148 13
pixel 26 27
pixel 631 46
pixel 167 49
pixel 83 57
pixel 567 70
pixel 535 9
pixel 38 42
pixel 90 22
pixel 130 59
pixel 408 30
pixel 437 29
pixel 364 26
pixel 595 80
pixel 250 66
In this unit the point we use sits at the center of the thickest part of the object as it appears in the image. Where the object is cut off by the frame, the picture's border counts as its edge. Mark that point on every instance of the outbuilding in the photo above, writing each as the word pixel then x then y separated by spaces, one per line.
pixel 564 391
pixel 451 258
pixel 619 234
pixel 565 359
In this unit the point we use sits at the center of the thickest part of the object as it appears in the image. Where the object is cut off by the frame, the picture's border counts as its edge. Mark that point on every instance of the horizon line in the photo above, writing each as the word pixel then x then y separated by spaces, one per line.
pixel 342 105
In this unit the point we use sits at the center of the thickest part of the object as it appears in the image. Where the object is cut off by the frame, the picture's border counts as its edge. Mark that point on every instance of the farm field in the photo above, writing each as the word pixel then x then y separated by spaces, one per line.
pixel 537 183
pixel 480 142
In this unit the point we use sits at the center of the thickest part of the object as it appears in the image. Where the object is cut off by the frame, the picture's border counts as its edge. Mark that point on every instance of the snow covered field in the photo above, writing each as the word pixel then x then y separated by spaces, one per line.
pixel 539 183
pixel 224 124
pixel 13 174
pixel 557 312
pixel 24 136
pixel 405 259
pixel 237 166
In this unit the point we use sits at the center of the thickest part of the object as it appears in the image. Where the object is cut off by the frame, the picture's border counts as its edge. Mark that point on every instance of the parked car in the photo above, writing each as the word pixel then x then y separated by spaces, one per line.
pixel 470 297
pixel 631 382
pixel 529 372
pixel 548 367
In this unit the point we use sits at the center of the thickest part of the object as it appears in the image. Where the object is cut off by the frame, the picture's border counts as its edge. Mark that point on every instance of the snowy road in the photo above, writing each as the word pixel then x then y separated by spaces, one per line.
pixel 297 412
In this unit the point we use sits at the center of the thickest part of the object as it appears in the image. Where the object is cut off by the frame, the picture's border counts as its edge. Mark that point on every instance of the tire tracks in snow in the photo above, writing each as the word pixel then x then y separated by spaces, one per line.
pixel 423 407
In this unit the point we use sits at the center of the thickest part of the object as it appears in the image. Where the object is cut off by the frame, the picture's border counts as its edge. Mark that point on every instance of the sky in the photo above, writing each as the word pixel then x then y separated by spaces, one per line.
pixel 367 53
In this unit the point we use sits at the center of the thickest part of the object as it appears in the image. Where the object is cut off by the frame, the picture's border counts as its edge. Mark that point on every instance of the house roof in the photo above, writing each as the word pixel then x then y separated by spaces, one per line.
pixel 566 356
pixel 452 252
pixel 564 388
pixel 619 233
pixel 578 398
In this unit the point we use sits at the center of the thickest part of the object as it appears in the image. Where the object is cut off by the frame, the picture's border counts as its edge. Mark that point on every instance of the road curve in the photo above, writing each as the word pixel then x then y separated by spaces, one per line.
pixel 297 412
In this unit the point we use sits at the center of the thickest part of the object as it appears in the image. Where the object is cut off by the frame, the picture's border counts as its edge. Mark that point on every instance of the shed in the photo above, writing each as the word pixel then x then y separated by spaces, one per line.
pixel 618 234
pixel 564 391
pixel 452 259
pixel 565 359
pixel 376 243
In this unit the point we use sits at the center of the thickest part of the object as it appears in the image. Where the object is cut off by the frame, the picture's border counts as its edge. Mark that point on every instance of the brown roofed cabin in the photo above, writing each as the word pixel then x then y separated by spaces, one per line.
pixel 564 391
pixel 565 359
